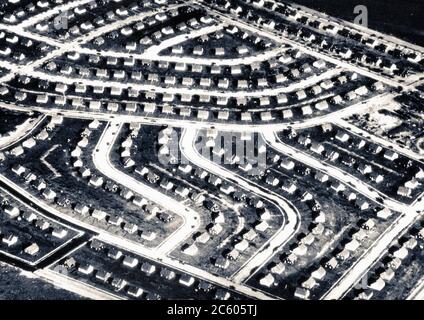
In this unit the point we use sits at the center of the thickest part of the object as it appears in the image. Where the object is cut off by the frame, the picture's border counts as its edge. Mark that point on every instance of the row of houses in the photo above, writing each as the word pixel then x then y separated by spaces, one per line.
pixel 390 265
pixel 80 20
pixel 97 181
pixel 41 135
pixel 17 48
pixel 167 29
pixel 14 11
pixel 131 262
pixel 248 40
pixel 311 34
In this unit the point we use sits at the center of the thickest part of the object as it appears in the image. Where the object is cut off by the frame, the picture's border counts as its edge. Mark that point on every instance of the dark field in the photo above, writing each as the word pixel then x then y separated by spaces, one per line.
pixel 13 286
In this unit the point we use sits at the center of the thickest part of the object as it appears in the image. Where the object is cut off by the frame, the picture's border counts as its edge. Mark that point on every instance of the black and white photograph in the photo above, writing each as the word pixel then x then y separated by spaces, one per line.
pixel 227 152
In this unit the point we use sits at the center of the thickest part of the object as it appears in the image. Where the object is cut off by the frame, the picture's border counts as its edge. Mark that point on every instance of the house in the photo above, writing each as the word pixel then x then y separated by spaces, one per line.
pixel 377 86
pixel 130 228
pixel 223 115
pixel 267 280
pixel 167 274
pixel 318 229
pixel 215 229
pixel 96 181
pixel 148 268
pixel 115 220
pixel 362 204
pixel 130 262
pixel 307 197
pixel 103 275
pixel 86 269
pixel 200 173
pixel 262 226
pixel 289 187
pixel 49 194
pixel 319 273
pixel 59 233
pixel 233 255
pixel 317 148
pixel 222 295
pixel 360 235
pixel 242 245
pixel 353 245
pixel 154 210
pixel 11 211
pixel 412 184
pixel 365 295
pixel 215 180
pixel 306 110
pixel 250 235
pixel 205 286
pixel 17 151
pixel 308 240
pixel 198 198
pixel 411 244
pixel 310 283
pixel 10 240
pixel 70 263
pixel 43 135
pixel 190 250
pixel 404 192
pixel 365 168
pixel 97 245
pixel 391 155
pixel 99 215
pixel 384 213
pixel 42 224
pixel 351 96
pixel 32 249
pixel 186 280
pixel 387 275
pixel 134 291
pixel 118 284
pixel 166 184
pixel 395 263
pixel 222 263
pixel 342 136
pixel 304 140
pixel 377 285
pixel 148 235
pixel 300 250
pixel 203 114
pixel 332 264
pixel 272 181
pixel 126 194
pixel 368 225
pixel 376 177
pixel 198 50
pixel 301 95
pixel 302 293
pixel 29 216
pixel 401 253
pixel 278 268
pixel 343 255
pixel 220 51
pixel 266 116
pixel 321 177
pixel 185 168
pixel 337 186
